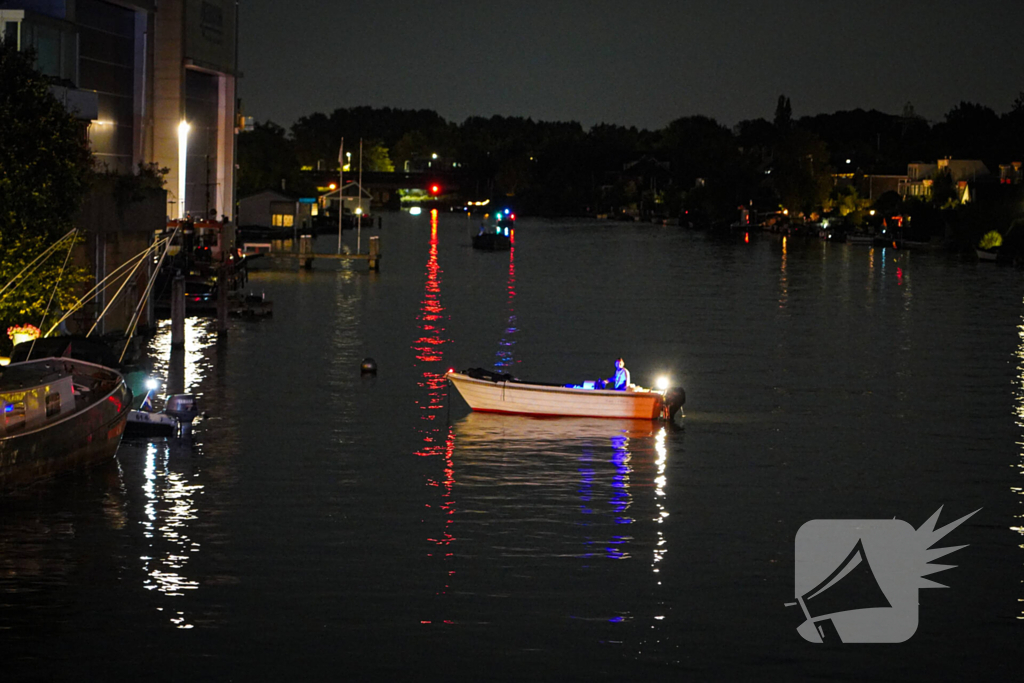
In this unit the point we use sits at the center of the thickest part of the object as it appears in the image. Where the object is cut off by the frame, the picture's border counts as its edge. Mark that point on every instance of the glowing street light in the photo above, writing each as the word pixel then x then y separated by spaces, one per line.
pixel 183 129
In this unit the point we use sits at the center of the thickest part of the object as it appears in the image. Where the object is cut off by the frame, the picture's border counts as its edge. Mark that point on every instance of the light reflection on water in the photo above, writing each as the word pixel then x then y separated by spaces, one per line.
pixel 590 462
pixel 1019 490
pixel 522 473
pixel 188 370
pixel 170 512
pixel 438 442
pixel 170 486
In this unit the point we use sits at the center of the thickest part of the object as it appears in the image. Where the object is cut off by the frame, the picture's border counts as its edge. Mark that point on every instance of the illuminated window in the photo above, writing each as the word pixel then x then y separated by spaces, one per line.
pixel 282 220
pixel 14 416
pixel 52 405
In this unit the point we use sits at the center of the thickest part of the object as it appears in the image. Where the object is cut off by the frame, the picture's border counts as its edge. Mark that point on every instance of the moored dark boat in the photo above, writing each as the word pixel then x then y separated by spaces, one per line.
pixel 58 414
pixel 497 233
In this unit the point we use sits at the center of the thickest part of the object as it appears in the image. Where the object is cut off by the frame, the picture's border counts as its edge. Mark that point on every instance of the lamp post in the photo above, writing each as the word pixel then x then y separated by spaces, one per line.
pixel 183 129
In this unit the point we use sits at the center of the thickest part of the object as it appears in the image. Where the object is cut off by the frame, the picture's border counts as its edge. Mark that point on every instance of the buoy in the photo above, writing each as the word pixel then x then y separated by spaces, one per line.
pixel 368 366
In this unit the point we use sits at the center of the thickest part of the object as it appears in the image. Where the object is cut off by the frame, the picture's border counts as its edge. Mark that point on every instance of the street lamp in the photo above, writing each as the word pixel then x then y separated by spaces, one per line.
pixel 183 129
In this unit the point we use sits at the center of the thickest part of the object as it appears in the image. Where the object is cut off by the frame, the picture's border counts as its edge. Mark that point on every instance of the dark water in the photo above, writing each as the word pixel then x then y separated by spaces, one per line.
pixel 329 526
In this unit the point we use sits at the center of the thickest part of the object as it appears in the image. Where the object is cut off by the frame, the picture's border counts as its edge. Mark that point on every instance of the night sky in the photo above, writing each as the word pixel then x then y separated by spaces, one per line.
pixel 633 63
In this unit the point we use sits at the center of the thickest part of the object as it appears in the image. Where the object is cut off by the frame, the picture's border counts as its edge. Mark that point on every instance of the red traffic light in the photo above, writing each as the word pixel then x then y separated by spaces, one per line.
pixel 435 189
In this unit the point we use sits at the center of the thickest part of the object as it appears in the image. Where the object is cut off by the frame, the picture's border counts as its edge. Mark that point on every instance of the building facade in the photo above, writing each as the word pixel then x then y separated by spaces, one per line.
pixel 135 69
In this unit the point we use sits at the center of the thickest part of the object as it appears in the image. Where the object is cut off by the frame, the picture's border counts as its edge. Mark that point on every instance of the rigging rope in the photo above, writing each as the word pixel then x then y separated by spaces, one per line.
pixel 52 293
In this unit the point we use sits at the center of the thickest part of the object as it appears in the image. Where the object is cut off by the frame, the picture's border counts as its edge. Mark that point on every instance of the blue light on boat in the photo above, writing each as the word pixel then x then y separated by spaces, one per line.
pixel 506 232
pixel 506 212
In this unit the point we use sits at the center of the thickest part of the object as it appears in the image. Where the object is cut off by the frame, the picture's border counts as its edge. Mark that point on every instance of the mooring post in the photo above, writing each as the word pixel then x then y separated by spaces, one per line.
pixel 223 283
pixel 178 311
pixel 306 251
pixel 375 253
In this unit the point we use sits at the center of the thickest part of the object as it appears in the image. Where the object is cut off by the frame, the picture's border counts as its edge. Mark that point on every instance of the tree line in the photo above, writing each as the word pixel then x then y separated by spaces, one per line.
pixel 560 168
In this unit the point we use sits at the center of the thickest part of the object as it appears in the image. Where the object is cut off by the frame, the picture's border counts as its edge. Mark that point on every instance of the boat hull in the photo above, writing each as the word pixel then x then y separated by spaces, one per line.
pixel 520 398
pixel 83 439
pixel 490 241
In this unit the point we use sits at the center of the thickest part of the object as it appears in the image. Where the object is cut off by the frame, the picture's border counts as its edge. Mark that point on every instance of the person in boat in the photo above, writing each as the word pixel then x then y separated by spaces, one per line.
pixel 620 380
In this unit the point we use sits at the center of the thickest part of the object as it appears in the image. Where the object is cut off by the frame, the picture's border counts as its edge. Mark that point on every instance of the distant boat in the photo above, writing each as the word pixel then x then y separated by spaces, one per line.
pixel 987 254
pixel 497 233
pixel 859 238
pixel 490 392
pixel 58 414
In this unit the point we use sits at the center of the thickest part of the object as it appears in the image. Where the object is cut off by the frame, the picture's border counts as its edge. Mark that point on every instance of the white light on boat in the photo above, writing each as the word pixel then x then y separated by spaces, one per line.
pixel 662 383
pixel 415 211
pixel 152 384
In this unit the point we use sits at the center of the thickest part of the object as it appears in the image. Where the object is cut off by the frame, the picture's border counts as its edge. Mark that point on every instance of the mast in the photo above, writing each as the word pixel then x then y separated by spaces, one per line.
pixel 359 205
pixel 341 189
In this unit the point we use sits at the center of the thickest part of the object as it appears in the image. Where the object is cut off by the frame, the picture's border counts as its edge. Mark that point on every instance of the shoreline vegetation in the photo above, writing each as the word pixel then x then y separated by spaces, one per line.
pixel 825 168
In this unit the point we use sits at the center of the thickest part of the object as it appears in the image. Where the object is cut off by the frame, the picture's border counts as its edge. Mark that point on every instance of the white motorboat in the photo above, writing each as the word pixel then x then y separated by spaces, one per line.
pixel 175 420
pixel 490 392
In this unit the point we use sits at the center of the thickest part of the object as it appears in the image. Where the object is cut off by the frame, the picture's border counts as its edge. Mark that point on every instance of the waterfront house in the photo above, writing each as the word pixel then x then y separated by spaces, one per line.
pixel 962 171
pixel 273 209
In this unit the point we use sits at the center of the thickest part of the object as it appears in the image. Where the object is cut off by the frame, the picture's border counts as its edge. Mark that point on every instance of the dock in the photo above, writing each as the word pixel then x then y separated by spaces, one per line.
pixel 288 254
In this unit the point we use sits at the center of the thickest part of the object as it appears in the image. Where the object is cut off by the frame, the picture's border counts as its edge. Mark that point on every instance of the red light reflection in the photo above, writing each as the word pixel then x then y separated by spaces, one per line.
pixel 438 440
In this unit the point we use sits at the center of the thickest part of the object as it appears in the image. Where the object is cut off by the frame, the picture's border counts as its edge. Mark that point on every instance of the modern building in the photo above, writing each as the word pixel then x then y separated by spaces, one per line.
pixel 135 69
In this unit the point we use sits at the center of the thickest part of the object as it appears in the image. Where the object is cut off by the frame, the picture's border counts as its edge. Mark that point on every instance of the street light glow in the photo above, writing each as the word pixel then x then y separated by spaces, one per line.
pixel 183 129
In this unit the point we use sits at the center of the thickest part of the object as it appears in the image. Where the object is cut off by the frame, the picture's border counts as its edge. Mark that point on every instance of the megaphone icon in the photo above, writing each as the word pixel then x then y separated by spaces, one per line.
pixel 851 604
pixel 851 586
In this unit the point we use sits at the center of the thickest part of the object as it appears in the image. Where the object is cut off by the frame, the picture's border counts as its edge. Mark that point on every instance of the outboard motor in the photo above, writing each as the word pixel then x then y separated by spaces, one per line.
pixel 182 407
pixel 675 397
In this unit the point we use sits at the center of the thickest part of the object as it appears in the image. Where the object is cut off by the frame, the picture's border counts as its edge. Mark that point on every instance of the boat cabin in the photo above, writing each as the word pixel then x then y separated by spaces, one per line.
pixel 34 394
pixel 209 240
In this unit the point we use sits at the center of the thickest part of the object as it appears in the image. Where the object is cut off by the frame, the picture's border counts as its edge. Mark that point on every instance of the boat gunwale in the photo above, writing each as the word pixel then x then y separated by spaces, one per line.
pixel 530 386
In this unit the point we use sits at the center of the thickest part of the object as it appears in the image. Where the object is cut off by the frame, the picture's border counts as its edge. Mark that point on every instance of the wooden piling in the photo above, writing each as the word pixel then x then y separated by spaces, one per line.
pixel 223 284
pixel 178 312
pixel 306 252
pixel 375 253
pixel 176 372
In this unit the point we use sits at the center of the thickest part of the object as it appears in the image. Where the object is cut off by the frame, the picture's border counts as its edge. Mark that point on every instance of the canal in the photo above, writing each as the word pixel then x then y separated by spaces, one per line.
pixel 328 525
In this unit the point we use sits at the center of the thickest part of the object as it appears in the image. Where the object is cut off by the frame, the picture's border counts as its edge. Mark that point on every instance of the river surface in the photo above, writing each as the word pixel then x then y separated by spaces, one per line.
pixel 324 525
